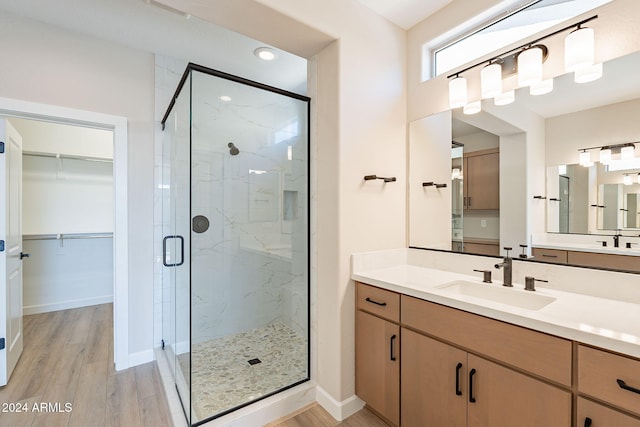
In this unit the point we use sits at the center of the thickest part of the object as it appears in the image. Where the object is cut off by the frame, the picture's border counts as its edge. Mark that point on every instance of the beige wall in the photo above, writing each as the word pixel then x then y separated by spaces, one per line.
pixel 44 64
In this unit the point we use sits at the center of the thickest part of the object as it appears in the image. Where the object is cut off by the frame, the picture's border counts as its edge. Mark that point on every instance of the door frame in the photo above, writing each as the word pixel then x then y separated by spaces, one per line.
pixel 118 125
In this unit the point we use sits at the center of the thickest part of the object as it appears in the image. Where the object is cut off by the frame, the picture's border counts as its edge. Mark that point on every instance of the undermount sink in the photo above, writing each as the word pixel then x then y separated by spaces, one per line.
pixel 502 295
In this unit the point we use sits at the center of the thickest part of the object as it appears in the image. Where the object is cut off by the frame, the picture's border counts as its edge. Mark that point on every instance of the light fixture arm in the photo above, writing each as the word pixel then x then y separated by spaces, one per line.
pixel 525 45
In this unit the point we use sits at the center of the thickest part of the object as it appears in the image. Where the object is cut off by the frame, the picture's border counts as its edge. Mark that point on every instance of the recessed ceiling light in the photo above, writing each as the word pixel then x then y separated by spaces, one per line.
pixel 225 98
pixel 265 53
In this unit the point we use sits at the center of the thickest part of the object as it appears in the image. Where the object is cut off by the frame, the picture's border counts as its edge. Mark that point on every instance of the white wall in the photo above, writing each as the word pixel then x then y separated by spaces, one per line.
pixel 361 130
pixel 57 67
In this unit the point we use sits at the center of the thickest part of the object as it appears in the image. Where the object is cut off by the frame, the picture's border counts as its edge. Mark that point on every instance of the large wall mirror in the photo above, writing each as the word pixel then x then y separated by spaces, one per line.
pixel 513 172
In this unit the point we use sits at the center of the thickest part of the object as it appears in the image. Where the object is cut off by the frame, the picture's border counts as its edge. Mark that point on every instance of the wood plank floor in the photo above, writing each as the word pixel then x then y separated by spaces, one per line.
pixel 68 359
pixel 316 416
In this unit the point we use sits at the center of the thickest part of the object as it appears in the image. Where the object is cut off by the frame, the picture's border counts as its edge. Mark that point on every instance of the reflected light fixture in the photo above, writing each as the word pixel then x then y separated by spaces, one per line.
pixel 472 108
pixel 542 87
pixel 457 92
pixel 627 152
pixel 225 98
pixel 491 80
pixel 530 66
pixel 585 158
pixel 605 155
pixel 562 169
pixel 505 98
pixel 265 53
pixel 638 179
pixel 588 74
pixel 455 173
pixel 626 180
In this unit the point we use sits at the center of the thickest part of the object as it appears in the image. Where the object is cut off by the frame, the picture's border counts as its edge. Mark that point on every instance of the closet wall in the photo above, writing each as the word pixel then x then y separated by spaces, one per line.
pixel 67 204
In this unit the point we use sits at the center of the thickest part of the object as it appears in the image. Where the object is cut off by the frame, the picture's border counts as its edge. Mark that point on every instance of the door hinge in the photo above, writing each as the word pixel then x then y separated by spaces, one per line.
pixel 1 245
pixel 1 147
pixel 1 343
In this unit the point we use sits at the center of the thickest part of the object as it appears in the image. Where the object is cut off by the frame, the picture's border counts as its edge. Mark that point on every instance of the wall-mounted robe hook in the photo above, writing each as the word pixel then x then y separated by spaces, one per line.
pixel 388 179
pixel 433 184
pixel 539 197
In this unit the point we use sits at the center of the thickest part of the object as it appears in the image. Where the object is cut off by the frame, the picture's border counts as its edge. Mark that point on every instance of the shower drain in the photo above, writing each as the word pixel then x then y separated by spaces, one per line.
pixel 254 361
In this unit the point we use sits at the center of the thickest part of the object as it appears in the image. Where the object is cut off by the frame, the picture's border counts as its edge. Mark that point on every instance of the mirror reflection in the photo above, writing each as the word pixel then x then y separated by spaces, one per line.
pixel 536 189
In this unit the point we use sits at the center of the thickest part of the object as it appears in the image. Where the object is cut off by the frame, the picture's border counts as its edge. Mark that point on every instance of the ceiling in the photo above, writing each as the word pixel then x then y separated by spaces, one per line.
pixel 405 13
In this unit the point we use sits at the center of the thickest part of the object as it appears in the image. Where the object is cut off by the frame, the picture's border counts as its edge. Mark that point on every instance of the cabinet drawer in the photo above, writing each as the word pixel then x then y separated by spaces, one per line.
pixel 380 302
pixel 591 259
pixel 550 255
pixel 601 416
pixel 522 348
pixel 598 375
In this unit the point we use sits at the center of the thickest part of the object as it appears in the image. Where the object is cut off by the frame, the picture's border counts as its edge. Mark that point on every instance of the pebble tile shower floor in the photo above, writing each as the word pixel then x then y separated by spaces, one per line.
pixel 222 377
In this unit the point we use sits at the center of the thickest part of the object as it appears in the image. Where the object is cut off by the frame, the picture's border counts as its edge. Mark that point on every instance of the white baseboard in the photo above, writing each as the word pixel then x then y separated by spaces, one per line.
pixel 338 410
pixel 65 305
pixel 141 357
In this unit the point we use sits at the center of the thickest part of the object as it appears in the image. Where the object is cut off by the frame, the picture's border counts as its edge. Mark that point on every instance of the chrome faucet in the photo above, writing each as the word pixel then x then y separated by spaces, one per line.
pixel 506 264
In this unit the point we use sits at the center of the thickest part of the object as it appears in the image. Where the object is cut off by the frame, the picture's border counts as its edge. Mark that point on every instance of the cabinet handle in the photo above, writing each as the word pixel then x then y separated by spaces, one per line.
pixel 472 398
pixel 469 202
pixel 549 256
pixel 393 353
pixel 381 304
pixel 458 391
pixel 623 385
pixel 587 422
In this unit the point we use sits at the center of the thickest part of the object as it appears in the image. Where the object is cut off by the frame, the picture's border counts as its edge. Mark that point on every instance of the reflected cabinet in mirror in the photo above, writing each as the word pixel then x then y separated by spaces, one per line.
pixel 556 171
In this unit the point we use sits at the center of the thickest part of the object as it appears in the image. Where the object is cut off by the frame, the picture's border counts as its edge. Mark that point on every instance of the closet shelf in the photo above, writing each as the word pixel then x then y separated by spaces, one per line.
pixel 67 156
pixel 67 236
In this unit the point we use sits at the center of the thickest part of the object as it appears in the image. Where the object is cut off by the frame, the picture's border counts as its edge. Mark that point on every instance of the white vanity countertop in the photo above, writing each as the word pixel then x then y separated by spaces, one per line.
pixel 581 247
pixel 602 322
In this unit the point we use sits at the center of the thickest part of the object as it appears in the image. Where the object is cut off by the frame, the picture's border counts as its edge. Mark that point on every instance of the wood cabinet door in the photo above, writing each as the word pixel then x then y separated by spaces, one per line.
pixel 430 395
pixel 482 181
pixel 591 414
pixel 378 365
pixel 500 397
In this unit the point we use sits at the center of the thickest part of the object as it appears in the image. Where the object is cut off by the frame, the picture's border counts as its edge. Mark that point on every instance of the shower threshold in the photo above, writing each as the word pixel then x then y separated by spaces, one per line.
pixel 231 371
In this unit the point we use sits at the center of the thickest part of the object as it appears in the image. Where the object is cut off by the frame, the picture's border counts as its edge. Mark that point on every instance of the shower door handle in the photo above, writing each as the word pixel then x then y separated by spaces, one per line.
pixel 164 251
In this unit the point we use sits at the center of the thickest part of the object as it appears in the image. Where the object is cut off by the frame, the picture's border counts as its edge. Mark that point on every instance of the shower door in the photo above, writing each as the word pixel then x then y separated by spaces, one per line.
pixel 239 196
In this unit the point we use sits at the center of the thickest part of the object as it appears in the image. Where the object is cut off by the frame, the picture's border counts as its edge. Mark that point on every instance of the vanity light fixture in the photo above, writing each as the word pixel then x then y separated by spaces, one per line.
pixel 610 155
pixel 265 53
pixel 456 174
pixel 530 66
pixel 562 169
pixel 529 58
pixel 638 179
pixel 491 80
pixel 626 180
pixel 627 152
pixel 585 158
pixel 458 92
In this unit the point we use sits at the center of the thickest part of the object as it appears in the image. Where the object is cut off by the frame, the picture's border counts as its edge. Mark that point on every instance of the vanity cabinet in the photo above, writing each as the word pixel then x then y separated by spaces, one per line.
pixel 555 256
pixel 482 180
pixel 378 350
pixel 456 385
pixel 611 378
pixel 587 259
pixel 591 414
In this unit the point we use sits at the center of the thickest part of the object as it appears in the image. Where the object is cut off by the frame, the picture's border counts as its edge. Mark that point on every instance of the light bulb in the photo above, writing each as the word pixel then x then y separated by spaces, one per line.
pixel 491 80
pixel 472 108
pixel 505 98
pixel 579 49
pixel 530 66
pixel 605 156
pixel 457 92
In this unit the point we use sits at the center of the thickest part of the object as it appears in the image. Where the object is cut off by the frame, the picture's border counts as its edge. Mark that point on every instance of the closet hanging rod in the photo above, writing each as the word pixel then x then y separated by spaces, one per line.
pixel 67 156
pixel 67 236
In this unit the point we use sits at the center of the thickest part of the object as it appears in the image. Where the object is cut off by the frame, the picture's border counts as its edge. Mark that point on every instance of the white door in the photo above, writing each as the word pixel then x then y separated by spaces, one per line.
pixel 10 249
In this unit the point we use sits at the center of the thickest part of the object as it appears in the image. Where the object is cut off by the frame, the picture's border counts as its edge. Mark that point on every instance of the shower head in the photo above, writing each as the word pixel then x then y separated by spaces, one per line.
pixel 233 150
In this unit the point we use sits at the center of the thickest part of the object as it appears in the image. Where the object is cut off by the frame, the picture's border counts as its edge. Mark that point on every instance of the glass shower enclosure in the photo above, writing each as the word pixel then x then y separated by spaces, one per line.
pixel 236 241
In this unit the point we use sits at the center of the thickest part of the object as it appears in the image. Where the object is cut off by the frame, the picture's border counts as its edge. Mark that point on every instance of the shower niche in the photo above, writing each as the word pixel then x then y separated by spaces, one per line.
pixel 236 241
